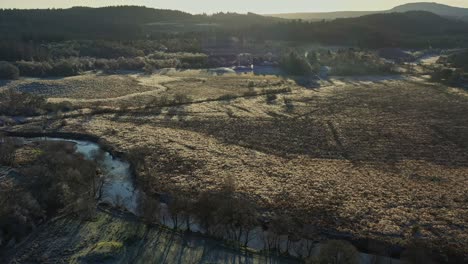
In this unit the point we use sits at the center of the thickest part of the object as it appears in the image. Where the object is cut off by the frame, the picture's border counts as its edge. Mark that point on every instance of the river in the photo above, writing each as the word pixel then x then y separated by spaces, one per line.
pixel 119 191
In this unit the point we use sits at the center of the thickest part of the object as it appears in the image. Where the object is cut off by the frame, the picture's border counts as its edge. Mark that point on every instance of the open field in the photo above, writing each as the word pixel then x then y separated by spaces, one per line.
pixel 139 90
pixel 89 86
pixel 383 159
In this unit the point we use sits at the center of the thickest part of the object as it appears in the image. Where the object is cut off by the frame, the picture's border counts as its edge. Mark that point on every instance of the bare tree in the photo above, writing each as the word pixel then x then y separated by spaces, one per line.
pixel 338 252
pixel 7 151
pixel 149 208
pixel 180 209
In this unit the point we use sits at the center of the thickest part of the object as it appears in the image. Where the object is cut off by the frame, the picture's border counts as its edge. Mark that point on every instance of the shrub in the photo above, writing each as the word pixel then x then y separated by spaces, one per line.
pixel 148 69
pixel 33 69
pixel 64 106
pixel 65 68
pixel 250 92
pixel 195 60
pixel 288 104
pixel 149 208
pixel 165 63
pixel 182 99
pixel 130 63
pixel 447 76
pixel 338 252
pixel 270 98
pixel 226 97
pixel 13 103
pixel 7 151
pixel 351 62
pixel 8 71
pixel 459 60
pixel 294 64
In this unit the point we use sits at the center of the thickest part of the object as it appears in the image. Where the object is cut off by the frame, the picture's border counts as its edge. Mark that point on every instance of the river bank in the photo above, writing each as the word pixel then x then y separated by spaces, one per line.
pixel 116 237
pixel 118 205
pixel 120 191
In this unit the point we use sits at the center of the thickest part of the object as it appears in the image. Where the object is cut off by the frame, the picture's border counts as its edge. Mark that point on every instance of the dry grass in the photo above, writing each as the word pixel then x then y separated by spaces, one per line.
pixel 139 91
pixel 89 86
pixel 212 87
pixel 370 158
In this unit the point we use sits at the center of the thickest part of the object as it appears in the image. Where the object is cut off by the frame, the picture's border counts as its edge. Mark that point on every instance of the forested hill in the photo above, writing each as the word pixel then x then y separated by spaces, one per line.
pixel 88 15
pixel 118 22
pixel 81 22
pixel 438 9
pixel 412 22
pixel 416 29
pixel 411 29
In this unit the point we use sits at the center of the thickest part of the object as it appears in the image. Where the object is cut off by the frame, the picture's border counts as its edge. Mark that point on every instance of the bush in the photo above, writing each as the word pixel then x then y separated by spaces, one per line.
pixel 8 71
pixel 338 252
pixel 182 99
pixel 270 98
pixel 14 103
pixel 131 63
pixel 226 97
pixel 149 208
pixel 65 68
pixel 459 60
pixel 33 69
pixel 7 151
pixel 64 106
pixel 351 62
pixel 288 104
pixel 447 76
pixel 295 64
pixel 196 60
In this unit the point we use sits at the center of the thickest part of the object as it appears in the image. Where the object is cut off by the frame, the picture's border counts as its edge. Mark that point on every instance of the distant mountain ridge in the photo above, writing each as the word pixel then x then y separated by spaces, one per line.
pixel 438 9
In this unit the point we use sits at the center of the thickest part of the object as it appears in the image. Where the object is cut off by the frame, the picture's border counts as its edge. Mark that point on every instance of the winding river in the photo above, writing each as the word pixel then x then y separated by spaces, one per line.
pixel 119 190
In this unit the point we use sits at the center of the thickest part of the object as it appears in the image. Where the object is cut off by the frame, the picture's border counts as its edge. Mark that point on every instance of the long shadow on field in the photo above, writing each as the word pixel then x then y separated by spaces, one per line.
pixel 355 140
pixel 70 240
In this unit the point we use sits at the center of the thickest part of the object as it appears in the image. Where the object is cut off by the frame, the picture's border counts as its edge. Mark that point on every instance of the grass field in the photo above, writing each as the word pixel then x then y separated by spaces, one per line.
pixel 373 158
pixel 139 90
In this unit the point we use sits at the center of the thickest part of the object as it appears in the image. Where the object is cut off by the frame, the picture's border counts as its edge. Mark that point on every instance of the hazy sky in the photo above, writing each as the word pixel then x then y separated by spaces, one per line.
pixel 210 6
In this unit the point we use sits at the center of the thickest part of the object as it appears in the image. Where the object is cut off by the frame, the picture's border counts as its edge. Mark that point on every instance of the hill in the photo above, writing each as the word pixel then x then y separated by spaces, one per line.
pixel 322 15
pixel 115 22
pixel 438 9
pixel 81 22
pixel 410 29
pixel 415 29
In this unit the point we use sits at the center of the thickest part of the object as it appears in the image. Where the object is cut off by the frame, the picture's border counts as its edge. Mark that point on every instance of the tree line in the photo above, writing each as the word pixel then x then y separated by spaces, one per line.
pixel 414 29
pixel 408 30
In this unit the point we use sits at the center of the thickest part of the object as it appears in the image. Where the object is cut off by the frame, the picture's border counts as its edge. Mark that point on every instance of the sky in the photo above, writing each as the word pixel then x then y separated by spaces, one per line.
pixel 240 6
